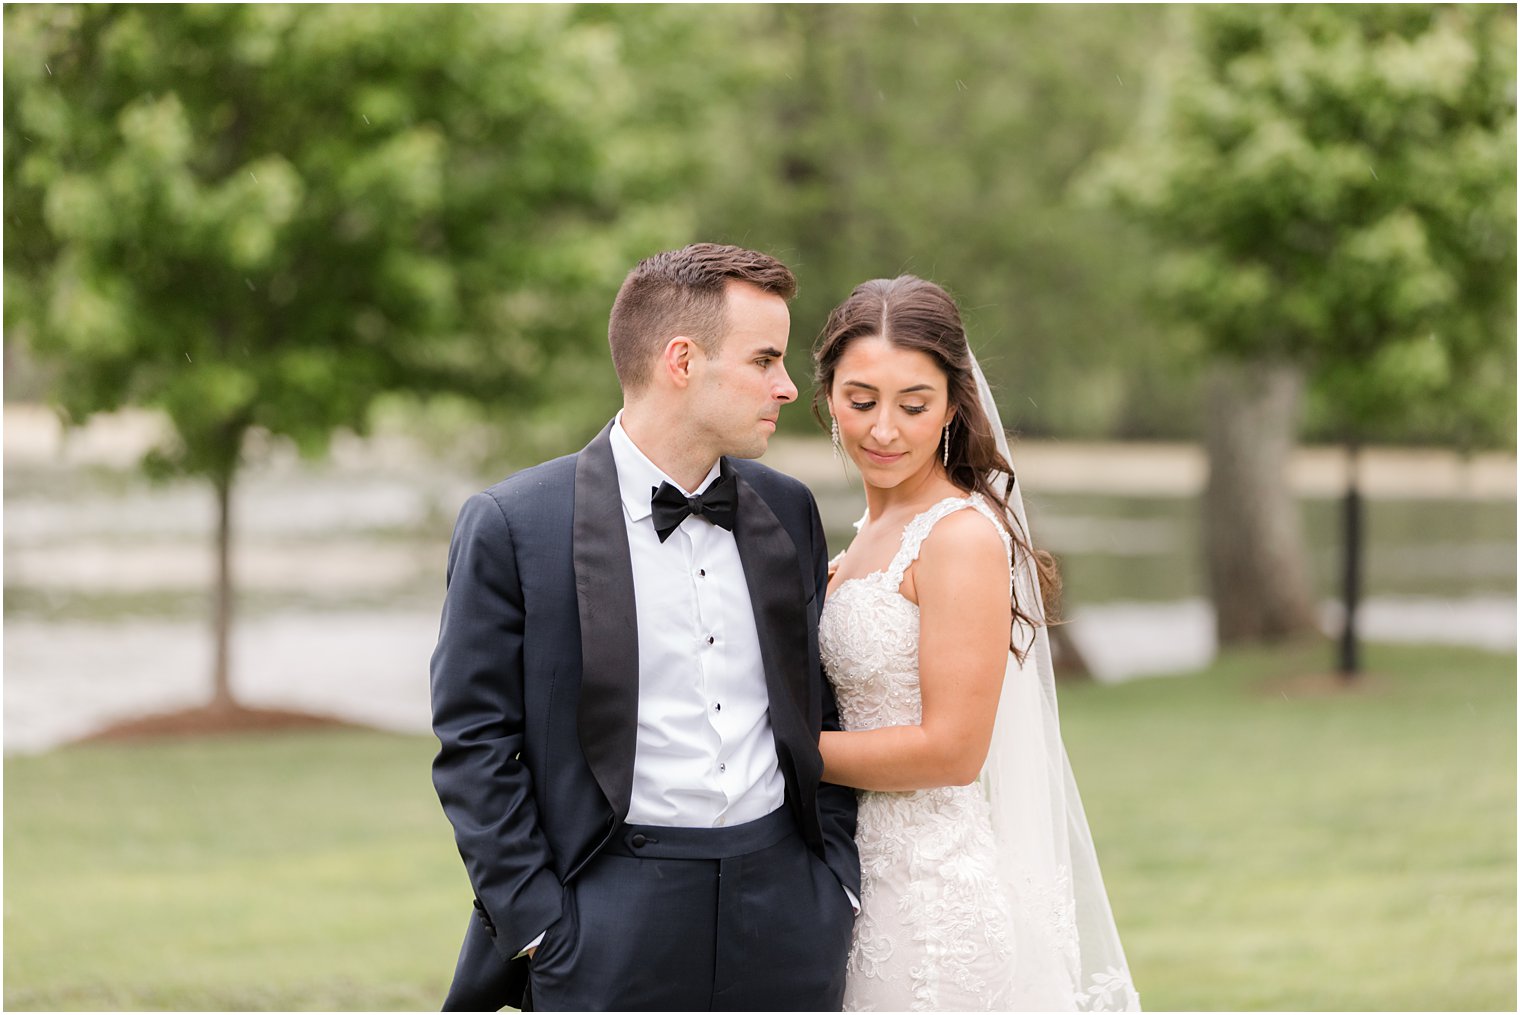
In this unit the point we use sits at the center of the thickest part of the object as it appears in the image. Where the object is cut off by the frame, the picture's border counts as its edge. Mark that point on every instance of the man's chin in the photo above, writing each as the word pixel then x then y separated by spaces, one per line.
pixel 751 449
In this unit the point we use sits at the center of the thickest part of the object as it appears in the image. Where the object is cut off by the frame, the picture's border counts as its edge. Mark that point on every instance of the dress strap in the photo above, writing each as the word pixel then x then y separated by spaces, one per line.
pixel 917 530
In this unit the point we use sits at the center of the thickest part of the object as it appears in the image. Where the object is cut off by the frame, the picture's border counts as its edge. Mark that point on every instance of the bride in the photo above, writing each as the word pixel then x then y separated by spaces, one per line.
pixel 980 888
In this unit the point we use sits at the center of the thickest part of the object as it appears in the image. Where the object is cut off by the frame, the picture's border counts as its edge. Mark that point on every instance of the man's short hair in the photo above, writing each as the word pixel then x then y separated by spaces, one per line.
pixel 682 292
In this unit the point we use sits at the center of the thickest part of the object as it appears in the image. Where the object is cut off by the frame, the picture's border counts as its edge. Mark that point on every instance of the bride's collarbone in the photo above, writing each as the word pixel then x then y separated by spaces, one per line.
pixel 877 543
pixel 872 552
pixel 867 555
pixel 904 588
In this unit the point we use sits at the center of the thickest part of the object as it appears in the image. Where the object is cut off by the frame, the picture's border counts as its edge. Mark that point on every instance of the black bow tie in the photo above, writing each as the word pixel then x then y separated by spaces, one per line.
pixel 718 504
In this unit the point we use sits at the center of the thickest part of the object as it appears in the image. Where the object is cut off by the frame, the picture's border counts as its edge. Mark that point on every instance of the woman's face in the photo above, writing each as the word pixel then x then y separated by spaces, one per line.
pixel 892 405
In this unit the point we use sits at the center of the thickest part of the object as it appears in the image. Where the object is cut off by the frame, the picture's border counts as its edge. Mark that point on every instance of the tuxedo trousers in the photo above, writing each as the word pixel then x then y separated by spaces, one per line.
pixel 744 918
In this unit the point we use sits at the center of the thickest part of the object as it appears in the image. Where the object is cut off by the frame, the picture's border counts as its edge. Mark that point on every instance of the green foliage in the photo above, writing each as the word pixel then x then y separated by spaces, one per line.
pixel 941 140
pixel 316 204
pixel 1265 849
pixel 1337 188
pixel 266 216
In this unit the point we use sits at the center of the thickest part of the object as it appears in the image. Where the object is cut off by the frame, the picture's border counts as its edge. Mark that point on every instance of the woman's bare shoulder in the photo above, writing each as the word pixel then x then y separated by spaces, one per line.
pixel 965 533
pixel 963 551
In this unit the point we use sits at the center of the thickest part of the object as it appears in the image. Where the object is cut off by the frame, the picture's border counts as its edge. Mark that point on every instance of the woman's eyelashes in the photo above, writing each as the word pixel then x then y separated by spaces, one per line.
pixel 912 410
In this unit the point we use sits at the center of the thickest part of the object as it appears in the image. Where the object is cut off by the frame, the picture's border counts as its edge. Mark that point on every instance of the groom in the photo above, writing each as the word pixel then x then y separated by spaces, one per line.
pixel 627 689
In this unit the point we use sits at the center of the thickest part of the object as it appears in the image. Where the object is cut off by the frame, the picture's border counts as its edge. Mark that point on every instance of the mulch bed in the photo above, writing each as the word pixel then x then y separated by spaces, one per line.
pixel 214 720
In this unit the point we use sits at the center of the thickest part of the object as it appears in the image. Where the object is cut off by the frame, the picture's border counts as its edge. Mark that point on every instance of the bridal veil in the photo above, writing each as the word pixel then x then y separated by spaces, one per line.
pixel 1067 947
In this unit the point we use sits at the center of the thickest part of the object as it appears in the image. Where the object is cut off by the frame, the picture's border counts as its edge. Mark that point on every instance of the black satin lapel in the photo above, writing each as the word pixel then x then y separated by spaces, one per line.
pixel 779 600
pixel 609 701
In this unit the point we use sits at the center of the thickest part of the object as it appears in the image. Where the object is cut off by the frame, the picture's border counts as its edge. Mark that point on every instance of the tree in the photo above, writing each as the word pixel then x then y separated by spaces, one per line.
pixel 941 140
pixel 264 218
pixel 1336 188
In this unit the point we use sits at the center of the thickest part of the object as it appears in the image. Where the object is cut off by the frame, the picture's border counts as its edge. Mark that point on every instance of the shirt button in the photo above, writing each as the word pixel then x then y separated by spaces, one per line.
pixel 701 572
pixel 709 639
pixel 722 767
pixel 717 706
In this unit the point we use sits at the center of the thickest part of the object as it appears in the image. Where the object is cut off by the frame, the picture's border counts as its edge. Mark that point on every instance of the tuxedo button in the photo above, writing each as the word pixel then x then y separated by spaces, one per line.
pixel 638 840
pixel 710 639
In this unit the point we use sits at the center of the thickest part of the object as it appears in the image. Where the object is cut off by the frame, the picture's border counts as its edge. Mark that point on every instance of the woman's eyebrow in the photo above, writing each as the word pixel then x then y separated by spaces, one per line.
pixel 904 391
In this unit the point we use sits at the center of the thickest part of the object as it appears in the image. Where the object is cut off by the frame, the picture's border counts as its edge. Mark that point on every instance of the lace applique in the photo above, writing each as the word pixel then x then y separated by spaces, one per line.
pixel 1053 910
pixel 1111 990
pixel 934 931
pixel 917 530
pixel 936 927
pixel 868 634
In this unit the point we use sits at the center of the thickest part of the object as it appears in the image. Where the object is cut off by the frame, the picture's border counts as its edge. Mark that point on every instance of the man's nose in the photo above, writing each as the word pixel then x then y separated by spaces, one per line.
pixel 786 391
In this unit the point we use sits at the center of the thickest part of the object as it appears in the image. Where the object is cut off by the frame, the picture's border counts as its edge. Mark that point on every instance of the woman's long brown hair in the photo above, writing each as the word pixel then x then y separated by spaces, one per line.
pixel 911 313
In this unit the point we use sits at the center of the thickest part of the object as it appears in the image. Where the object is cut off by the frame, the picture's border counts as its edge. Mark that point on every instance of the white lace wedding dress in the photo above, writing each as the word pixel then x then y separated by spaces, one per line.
pixel 935 932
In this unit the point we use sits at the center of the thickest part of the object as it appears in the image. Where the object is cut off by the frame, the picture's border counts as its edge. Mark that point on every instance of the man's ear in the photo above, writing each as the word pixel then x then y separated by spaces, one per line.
pixel 676 360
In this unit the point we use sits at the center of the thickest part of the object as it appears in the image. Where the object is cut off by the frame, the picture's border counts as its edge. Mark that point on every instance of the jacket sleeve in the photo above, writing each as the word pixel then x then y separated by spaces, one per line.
pixel 836 804
pixel 477 693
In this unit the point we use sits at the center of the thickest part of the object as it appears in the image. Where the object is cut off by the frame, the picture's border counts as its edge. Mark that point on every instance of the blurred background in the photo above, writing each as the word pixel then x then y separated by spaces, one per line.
pixel 284 285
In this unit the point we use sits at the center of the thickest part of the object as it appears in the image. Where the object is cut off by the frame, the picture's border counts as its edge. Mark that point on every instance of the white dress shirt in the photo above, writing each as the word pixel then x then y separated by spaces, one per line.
pixel 705 756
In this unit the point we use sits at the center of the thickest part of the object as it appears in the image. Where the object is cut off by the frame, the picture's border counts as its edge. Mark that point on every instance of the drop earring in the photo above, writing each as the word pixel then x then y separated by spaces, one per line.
pixel 947 446
pixel 834 435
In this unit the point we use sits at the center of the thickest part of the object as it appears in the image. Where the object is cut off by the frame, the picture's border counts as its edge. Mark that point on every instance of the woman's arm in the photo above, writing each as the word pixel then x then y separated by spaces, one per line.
pixel 961 580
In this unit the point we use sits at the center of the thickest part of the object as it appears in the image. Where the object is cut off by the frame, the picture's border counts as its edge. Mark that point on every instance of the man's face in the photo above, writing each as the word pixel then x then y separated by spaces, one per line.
pixel 737 395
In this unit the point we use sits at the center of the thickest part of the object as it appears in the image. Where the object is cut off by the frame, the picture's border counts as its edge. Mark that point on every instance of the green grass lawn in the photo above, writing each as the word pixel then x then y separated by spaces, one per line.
pixel 1265 848
pixel 1269 848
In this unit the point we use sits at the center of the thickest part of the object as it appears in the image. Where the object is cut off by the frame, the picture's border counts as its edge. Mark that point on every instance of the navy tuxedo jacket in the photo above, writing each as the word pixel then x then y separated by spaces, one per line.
pixel 535 682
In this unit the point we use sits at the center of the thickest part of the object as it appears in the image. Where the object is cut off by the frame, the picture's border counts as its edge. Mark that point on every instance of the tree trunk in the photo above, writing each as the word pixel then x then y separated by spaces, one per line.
pixel 221 682
pixel 1253 535
pixel 1066 659
pixel 1349 663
